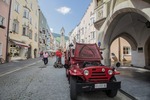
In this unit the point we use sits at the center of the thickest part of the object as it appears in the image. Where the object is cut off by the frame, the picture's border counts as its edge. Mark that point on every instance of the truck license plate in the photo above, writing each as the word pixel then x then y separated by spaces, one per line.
pixel 104 85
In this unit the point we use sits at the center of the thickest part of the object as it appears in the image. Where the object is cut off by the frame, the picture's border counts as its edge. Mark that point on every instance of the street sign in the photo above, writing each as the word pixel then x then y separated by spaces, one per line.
pixel 99 43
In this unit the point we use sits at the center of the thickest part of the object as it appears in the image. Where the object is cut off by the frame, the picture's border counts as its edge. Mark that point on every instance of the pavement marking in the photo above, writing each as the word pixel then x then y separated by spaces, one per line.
pixel 18 69
pixel 128 95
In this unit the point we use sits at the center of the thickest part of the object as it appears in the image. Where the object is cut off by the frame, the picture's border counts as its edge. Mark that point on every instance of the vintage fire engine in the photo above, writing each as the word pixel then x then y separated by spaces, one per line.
pixel 85 71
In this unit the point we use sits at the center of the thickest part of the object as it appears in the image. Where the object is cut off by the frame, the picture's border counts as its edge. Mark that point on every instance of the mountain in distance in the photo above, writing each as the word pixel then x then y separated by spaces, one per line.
pixel 58 35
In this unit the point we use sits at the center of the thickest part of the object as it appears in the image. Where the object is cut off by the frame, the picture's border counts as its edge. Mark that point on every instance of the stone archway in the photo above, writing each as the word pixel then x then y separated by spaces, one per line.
pixel 121 49
pixel 122 23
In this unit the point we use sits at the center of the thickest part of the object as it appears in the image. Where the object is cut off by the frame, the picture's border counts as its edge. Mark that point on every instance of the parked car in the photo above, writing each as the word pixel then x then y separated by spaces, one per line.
pixel 85 72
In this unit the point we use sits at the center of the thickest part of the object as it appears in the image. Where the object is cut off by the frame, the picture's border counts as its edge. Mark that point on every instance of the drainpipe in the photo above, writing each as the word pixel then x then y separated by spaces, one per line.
pixel 7 58
pixel 119 49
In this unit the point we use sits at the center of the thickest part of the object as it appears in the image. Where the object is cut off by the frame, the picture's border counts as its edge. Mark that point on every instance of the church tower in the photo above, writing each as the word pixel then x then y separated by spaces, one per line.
pixel 62 39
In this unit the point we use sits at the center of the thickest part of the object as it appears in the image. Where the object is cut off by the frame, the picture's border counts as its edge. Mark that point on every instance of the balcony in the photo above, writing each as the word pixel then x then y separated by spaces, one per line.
pixel 101 14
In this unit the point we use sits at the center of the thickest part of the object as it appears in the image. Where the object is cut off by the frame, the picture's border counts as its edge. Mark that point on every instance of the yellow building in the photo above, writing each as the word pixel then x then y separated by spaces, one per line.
pixel 23 29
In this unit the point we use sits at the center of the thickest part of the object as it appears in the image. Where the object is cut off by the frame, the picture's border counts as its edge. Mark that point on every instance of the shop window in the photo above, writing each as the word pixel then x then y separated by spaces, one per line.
pixel 15 50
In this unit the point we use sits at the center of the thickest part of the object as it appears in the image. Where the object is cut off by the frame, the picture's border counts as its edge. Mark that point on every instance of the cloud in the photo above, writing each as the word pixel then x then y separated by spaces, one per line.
pixel 64 10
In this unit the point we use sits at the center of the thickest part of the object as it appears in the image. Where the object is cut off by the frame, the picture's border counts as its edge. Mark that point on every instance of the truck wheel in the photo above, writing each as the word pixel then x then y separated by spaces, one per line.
pixel 73 89
pixel 112 93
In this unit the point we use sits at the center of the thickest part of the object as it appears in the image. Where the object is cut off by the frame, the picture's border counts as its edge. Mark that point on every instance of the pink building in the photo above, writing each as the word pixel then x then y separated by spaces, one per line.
pixel 4 13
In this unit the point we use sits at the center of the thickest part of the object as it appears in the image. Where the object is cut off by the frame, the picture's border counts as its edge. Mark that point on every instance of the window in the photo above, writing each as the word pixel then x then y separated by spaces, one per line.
pixel 82 30
pixel 43 31
pixel 92 20
pixel 43 41
pixel 25 31
pixel 26 13
pixel 35 38
pixel 77 36
pixel 93 35
pixel 16 7
pixel 15 27
pixel 126 50
pixel 99 2
pixel 30 34
pixel 2 20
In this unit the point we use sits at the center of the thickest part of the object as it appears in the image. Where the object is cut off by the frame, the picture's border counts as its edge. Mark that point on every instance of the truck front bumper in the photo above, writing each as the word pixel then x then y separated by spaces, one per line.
pixel 98 86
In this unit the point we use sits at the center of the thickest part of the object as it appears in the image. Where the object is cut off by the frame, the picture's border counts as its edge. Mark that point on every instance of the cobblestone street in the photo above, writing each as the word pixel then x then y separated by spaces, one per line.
pixel 40 82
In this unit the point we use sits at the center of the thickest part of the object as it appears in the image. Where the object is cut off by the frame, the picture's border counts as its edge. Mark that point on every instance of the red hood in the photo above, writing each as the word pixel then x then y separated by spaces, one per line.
pixel 88 52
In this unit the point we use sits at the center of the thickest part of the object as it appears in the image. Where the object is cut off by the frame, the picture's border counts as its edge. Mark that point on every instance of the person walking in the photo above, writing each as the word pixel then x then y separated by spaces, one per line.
pixel 58 56
pixel 45 57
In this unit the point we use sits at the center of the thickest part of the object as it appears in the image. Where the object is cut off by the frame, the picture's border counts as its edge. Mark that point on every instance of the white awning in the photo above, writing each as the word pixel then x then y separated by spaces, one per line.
pixel 20 44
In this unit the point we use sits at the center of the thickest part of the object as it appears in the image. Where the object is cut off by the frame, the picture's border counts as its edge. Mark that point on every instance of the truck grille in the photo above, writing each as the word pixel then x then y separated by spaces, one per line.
pixel 98 74
pixel 98 77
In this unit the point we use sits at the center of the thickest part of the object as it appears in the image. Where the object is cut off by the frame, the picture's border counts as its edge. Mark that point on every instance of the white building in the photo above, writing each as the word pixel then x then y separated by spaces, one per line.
pixel 85 31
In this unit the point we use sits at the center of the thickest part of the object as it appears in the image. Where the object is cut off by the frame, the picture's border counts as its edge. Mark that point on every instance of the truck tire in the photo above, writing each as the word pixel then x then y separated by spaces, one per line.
pixel 73 89
pixel 112 93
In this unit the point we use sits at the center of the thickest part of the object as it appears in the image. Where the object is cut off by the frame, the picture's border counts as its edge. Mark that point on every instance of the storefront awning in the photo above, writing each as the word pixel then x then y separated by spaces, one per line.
pixel 20 44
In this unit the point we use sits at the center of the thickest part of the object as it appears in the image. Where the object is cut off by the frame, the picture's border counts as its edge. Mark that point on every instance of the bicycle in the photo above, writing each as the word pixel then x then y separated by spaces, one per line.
pixel 1 60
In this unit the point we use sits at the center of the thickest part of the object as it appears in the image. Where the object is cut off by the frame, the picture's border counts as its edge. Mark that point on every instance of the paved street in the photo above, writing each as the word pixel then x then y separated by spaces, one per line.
pixel 135 81
pixel 40 82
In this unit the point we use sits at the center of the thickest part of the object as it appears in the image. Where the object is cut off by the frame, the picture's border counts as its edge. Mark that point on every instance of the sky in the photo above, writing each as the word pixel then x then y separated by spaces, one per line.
pixel 63 13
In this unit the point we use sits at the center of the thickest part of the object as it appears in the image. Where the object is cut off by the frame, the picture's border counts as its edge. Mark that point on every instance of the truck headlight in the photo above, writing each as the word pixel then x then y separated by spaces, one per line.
pixel 110 72
pixel 86 72
pixel 75 70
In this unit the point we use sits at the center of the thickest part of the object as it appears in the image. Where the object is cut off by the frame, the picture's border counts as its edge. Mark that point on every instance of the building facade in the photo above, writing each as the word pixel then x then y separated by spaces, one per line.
pixel 4 17
pixel 23 29
pixel 43 31
pixel 129 19
pixel 85 31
